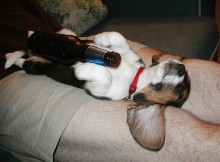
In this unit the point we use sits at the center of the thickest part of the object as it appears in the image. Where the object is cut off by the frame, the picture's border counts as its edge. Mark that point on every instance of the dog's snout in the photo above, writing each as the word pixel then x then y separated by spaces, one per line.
pixel 180 70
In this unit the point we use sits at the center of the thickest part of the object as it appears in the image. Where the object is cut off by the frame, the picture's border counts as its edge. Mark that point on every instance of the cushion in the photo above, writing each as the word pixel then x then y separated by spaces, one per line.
pixel 78 15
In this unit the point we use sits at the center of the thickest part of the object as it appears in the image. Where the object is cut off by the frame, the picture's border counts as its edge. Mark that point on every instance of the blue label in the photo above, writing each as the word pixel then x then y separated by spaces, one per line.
pixel 95 55
pixel 99 62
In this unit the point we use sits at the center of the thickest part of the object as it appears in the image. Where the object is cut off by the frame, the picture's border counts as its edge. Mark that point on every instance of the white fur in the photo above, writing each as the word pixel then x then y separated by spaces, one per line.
pixel 91 72
pixel 30 33
pixel 20 62
pixel 110 82
pixel 172 80
pixel 12 58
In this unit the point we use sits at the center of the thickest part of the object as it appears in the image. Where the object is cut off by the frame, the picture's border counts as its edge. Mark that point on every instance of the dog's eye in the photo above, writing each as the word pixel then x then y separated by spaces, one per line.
pixel 158 86
pixel 154 61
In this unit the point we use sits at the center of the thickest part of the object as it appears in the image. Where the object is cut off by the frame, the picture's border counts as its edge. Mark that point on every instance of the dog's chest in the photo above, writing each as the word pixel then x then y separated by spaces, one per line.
pixel 121 80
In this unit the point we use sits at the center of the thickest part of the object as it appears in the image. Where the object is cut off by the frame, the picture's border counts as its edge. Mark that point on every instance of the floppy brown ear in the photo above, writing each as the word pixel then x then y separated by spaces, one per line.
pixel 155 60
pixel 147 125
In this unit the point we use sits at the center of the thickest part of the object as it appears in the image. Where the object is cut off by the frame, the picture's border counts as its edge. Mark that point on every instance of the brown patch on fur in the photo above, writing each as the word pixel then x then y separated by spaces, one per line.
pixel 164 96
pixel 164 56
pixel 147 126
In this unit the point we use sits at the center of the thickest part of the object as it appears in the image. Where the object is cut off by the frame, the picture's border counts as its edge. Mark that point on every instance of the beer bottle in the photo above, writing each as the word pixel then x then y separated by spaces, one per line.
pixel 67 49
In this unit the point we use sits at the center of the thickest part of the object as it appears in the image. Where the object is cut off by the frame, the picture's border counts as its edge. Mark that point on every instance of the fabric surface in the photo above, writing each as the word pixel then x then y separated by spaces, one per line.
pixel 34 113
pixel 38 115
pixel 78 15
pixel 190 37
pixel 16 18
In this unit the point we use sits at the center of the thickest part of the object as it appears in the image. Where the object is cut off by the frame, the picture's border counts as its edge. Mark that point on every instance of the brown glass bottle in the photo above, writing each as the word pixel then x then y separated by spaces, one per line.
pixel 68 47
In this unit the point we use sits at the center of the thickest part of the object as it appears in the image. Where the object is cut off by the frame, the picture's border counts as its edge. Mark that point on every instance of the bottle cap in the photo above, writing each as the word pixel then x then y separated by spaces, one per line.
pixel 112 59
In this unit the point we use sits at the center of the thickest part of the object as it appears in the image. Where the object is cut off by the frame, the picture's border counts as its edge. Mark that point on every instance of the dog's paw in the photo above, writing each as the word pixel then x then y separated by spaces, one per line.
pixel 113 40
pixel 83 71
pixel 133 59
pixel 147 126
pixel 108 39
pixel 12 58
pixel 80 70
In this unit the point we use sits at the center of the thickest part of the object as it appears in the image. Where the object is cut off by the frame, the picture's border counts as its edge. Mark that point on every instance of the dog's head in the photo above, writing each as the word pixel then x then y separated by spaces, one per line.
pixel 169 84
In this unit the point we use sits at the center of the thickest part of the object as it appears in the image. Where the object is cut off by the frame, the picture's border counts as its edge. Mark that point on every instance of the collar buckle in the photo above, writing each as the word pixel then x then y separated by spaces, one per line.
pixel 132 89
pixel 133 86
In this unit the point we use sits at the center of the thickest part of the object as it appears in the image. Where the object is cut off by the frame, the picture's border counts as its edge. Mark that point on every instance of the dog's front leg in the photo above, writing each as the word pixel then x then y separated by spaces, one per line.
pixel 147 125
pixel 117 43
pixel 98 79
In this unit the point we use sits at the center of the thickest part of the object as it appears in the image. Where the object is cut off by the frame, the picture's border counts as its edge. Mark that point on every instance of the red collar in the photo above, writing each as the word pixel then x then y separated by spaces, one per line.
pixel 133 85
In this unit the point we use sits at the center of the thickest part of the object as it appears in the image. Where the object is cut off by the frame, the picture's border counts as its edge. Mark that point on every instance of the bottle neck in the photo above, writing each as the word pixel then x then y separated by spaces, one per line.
pixel 102 57
pixel 95 55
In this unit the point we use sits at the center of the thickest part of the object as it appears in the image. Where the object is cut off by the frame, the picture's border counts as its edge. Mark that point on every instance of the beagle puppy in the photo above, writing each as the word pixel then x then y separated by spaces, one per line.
pixel 150 88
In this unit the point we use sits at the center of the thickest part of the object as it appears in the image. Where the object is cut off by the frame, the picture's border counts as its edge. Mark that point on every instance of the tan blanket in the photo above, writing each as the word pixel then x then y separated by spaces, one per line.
pixel 104 134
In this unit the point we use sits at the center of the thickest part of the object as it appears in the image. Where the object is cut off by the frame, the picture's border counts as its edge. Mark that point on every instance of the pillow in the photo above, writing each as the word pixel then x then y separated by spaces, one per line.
pixel 78 15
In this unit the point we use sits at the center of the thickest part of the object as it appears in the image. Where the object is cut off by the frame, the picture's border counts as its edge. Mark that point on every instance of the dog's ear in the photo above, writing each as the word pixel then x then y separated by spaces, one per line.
pixel 147 125
pixel 155 60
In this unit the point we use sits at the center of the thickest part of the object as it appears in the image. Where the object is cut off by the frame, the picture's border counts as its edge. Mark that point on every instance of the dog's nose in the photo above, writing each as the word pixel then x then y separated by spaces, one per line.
pixel 180 70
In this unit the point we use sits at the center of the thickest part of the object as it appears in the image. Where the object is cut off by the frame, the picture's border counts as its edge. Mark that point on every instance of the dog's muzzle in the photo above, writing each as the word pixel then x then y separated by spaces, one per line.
pixel 174 68
pixel 181 70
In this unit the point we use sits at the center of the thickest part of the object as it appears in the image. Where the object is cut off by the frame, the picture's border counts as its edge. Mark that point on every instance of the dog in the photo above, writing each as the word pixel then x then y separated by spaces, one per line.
pixel 151 88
